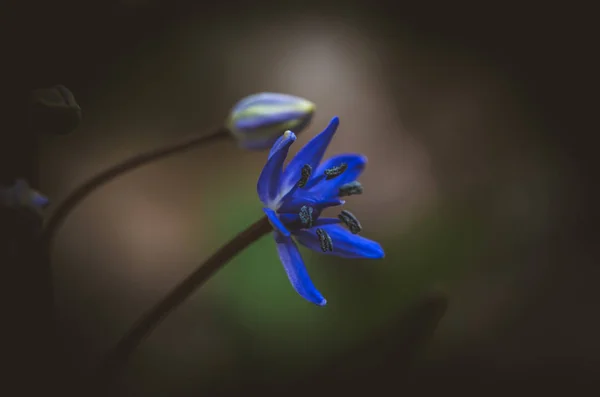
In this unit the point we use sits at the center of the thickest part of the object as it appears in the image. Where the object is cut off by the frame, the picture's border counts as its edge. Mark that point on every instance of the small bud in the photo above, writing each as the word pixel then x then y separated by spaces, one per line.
pixel 258 120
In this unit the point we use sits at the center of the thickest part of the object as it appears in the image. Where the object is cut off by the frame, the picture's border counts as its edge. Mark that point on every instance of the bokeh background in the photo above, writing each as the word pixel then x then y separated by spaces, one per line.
pixel 477 199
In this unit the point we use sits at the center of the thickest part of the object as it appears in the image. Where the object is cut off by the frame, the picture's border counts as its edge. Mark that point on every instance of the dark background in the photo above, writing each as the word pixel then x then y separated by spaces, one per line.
pixel 475 118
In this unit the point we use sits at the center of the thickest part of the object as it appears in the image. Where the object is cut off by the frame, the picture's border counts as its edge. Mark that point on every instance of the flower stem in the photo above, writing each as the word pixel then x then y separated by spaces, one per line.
pixel 102 178
pixel 119 355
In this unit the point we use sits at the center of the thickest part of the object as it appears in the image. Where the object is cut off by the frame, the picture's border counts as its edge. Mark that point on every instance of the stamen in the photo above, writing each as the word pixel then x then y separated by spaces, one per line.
pixel 325 240
pixel 306 172
pixel 350 220
pixel 332 172
pixel 350 189
pixel 306 216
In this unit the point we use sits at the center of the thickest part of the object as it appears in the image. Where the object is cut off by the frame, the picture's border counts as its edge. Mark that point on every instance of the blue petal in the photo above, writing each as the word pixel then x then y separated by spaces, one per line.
pixel 296 271
pixel 356 165
pixel 311 154
pixel 268 182
pixel 275 222
pixel 279 142
pixel 345 244
pixel 288 219
pixel 294 204
pixel 297 129
pixel 327 221
pixel 321 187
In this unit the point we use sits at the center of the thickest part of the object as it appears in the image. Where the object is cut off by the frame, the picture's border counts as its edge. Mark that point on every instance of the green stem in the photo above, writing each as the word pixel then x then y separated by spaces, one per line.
pixel 119 355
pixel 66 207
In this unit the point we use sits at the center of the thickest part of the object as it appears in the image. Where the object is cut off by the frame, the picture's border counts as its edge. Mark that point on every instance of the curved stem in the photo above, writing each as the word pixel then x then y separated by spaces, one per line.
pixel 102 178
pixel 119 355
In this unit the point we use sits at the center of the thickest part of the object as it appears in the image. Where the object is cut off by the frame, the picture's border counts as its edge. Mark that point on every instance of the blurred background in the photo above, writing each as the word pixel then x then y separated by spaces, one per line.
pixel 478 187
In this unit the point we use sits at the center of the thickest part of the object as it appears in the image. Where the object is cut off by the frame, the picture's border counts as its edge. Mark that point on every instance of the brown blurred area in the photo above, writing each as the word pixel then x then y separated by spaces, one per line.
pixel 477 111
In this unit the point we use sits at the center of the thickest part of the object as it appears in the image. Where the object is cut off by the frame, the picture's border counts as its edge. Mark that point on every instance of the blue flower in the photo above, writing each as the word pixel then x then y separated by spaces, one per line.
pixel 294 198
pixel 259 119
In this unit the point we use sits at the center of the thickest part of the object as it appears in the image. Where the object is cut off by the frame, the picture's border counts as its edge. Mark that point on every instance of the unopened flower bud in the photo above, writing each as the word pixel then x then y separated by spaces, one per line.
pixel 258 120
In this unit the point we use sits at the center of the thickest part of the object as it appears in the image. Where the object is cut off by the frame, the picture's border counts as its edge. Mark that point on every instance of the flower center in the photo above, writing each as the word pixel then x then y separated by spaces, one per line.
pixel 299 209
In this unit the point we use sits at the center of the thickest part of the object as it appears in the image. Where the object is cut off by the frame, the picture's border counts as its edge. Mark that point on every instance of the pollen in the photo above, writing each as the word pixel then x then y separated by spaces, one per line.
pixel 332 172
pixel 306 216
pixel 325 240
pixel 350 220
pixel 306 173
pixel 350 189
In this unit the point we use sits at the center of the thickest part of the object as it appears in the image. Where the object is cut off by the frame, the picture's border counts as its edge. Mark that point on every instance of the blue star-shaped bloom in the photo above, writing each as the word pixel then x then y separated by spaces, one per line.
pixel 295 197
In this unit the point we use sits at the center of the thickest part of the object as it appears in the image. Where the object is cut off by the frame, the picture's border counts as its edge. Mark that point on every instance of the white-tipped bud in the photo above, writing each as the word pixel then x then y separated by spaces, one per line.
pixel 258 120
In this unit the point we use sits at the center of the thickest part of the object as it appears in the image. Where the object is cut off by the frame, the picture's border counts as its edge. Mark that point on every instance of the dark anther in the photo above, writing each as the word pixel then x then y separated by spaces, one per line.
pixel 332 172
pixel 325 240
pixel 306 172
pixel 350 189
pixel 306 216
pixel 350 220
